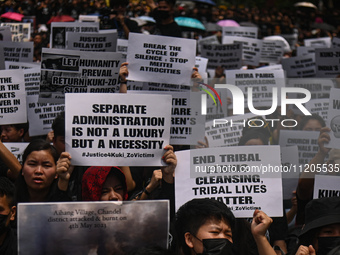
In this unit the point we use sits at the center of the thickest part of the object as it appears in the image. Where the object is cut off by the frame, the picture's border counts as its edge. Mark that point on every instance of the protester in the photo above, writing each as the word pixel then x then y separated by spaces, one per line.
pixel 321 232
pixel 8 238
pixel 40 179
pixel 163 13
pixel 119 21
pixel 104 184
pixel 207 226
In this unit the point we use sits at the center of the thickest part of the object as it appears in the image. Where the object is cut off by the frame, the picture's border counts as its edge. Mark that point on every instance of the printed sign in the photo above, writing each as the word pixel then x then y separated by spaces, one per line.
pixel 92 227
pixel 161 59
pixel 245 178
pixel 117 129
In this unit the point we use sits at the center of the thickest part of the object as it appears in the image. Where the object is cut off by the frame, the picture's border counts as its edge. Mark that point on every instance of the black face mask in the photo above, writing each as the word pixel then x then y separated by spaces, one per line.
pixel 326 244
pixel 159 15
pixel 216 246
pixel 3 227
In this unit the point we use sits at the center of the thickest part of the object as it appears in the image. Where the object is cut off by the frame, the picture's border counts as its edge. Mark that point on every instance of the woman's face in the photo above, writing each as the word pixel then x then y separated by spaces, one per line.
pixel 11 134
pixel 39 170
pixel 312 125
pixel 113 189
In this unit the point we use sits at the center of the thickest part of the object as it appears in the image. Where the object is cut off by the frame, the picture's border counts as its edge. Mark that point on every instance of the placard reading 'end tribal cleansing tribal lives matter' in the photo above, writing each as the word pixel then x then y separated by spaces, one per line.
pixel 92 227
pixel 117 129
pixel 161 59
pixel 245 178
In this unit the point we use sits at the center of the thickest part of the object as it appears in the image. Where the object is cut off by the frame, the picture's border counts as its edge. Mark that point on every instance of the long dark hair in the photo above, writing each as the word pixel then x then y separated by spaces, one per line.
pixel 35 145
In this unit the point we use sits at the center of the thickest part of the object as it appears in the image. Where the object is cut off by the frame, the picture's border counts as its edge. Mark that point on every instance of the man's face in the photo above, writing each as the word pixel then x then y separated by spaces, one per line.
pixel 5 209
pixel 164 6
pixel 212 229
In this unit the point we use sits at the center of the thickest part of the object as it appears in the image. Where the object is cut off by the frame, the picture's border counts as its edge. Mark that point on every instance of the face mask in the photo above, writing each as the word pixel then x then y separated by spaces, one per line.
pixel 326 244
pixel 216 246
pixel 159 15
pixel 3 227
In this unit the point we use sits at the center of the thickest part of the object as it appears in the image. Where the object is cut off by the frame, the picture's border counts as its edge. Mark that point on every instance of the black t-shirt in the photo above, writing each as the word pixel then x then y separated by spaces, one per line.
pixel 172 29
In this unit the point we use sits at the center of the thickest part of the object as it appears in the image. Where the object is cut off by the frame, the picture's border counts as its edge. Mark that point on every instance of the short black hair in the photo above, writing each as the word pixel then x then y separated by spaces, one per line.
pixel 19 126
pixel 58 125
pixel 195 213
pixel 7 189
pixel 307 118
pixel 253 134
pixel 40 145
pixel 170 2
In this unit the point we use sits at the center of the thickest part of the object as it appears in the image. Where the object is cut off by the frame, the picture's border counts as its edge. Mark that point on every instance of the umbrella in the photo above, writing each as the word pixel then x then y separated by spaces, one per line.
pixel 60 18
pixel 323 26
pixel 228 23
pixel 286 46
pixel 247 24
pixel 190 23
pixel 212 27
pixel 139 21
pixel 305 4
pixel 211 2
pixel 147 19
pixel 12 15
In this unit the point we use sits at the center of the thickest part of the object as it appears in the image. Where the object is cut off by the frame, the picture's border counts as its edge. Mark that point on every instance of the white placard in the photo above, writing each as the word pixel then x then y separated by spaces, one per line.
pixel 303 50
pixel 251 48
pixel 319 88
pixel 327 62
pixel 324 42
pixel 18 51
pixel 70 71
pixel 122 47
pixel 249 32
pixel 226 131
pixel 203 173
pixel 272 51
pixel 59 29
pixel 333 119
pixel 319 107
pixel 17 149
pixel 307 142
pixel 32 81
pixel 91 41
pixel 161 59
pixel 207 40
pixel 201 64
pixel 21 32
pixel 21 65
pixel 262 83
pixel 301 66
pixel 165 87
pixel 326 185
pixel 228 56
pixel 41 115
pixel 88 18
pixel 117 129
pixel 13 97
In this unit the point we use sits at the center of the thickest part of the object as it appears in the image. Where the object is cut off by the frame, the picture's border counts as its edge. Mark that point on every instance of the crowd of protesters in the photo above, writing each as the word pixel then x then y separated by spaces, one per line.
pixel 200 226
